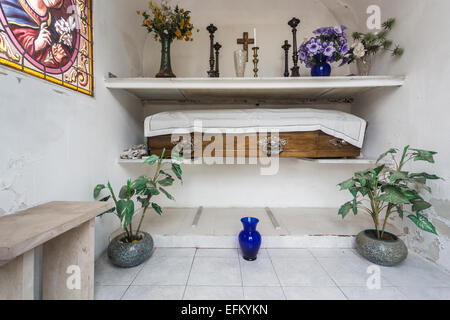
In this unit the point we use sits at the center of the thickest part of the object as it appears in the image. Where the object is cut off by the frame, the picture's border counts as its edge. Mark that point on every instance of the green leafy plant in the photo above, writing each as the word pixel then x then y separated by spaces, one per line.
pixel 143 190
pixel 366 44
pixel 389 189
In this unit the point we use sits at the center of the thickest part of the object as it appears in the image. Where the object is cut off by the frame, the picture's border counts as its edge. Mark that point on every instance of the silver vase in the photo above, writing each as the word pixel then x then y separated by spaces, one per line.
pixel 240 61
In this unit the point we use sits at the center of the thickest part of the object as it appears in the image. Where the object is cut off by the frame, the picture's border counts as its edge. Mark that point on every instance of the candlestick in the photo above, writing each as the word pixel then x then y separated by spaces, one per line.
pixel 211 29
pixel 286 47
pixel 293 23
pixel 217 47
pixel 255 61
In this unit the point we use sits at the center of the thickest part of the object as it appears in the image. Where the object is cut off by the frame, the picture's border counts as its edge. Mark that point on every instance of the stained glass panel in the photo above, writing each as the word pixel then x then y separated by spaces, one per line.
pixel 49 39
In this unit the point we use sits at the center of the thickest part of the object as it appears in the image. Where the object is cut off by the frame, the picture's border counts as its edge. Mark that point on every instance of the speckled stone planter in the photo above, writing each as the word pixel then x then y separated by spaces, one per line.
pixel 127 255
pixel 382 252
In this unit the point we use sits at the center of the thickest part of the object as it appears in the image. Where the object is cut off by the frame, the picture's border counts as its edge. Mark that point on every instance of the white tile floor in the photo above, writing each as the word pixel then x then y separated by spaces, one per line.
pixel 278 274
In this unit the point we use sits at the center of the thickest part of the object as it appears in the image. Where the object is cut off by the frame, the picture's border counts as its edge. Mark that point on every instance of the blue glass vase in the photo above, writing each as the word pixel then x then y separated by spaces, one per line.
pixel 321 67
pixel 250 239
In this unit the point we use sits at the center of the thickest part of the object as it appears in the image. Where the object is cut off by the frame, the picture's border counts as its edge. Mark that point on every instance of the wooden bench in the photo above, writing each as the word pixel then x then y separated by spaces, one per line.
pixel 66 232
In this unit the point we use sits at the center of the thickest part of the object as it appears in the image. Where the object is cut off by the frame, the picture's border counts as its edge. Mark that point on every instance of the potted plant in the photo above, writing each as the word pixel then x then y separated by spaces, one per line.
pixel 386 190
pixel 167 23
pixel 134 246
pixel 367 45
pixel 327 46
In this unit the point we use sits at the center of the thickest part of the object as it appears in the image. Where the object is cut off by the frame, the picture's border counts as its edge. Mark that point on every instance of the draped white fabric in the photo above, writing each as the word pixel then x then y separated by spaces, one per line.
pixel 335 123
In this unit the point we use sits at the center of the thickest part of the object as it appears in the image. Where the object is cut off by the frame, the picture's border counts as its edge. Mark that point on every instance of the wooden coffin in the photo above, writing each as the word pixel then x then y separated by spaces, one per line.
pixel 313 144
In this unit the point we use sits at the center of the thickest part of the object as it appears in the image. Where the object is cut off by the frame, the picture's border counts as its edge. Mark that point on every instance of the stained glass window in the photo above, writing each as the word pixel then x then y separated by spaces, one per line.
pixel 49 39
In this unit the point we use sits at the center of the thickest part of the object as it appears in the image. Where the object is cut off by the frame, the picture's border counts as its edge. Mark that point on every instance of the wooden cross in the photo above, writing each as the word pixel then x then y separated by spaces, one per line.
pixel 245 41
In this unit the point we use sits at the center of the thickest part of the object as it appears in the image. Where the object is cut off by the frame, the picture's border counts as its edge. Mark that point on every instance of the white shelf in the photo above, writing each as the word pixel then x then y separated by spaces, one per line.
pixel 194 89
pixel 354 161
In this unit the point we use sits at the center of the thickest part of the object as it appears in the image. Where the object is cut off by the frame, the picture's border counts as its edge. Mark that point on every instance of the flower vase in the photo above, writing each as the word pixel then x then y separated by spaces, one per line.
pixel 165 70
pixel 240 61
pixel 250 239
pixel 320 68
pixel 364 65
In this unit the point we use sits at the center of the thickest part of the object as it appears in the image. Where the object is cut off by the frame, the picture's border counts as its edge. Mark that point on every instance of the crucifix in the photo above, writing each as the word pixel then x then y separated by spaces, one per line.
pixel 245 41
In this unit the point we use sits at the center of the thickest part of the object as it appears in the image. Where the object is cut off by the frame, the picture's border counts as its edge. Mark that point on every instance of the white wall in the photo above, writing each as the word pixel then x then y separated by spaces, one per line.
pixel 57 144
pixel 418 113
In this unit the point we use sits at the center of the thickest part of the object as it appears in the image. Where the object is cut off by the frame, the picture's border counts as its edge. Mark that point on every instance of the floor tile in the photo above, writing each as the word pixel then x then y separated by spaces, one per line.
pixel 215 272
pixel 332 252
pixel 108 274
pixel 174 252
pixel 258 273
pixel 154 293
pixel 415 293
pixel 416 272
pixel 263 293
pixel 350 271
pixel 300 272
pixel 109 292
pixel 361 293
pixel 292 253
pixel 165 271
pixel 217 253
pixel 213 293
pixel 313 293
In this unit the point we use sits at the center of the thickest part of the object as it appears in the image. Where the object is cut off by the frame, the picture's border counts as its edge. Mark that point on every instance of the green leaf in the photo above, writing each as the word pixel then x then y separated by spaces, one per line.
pixel 105 199
pixel 347 184
pixel 121 208
pixel 400 211
pixel 157 208
pixel 391 151
pixel 398 175
pixel 123 194
pixel 424 155
pixel 345 209
pixel 128 214
pixel 98 189
pixel 140 184
pixel 151 160
pixel 166 182
pixel 144 201
pixel 423 223
pixel 394 195
pixel 424 175
pixel 355 206
pixel 177 170
pixel 420 205
pixel 405 152
pixel 354 191
pixel 177 157
pixel 168 195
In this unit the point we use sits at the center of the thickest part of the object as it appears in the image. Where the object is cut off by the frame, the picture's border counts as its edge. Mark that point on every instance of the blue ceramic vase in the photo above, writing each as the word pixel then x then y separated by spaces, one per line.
pixel 321 67
pixel 250 239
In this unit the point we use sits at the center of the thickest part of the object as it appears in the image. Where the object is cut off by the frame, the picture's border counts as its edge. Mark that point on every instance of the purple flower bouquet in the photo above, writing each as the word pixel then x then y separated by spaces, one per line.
pixel 327 46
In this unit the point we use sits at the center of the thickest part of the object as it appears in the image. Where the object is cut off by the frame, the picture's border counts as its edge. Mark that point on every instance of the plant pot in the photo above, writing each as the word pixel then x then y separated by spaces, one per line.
pixel 250 239
pixel 165 70
pixel 387 252
pixel 321 67
pixel 128 255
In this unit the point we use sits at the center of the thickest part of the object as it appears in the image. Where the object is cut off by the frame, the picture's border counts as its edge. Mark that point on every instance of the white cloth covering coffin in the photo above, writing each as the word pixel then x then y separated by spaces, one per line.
pixel 335 123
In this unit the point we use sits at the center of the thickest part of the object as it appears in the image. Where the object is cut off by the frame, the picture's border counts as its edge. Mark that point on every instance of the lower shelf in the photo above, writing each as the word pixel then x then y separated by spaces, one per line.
pixel 281 228
pixel 353 161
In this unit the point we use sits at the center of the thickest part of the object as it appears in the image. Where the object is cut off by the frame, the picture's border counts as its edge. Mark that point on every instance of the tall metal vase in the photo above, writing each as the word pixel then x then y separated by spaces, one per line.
pixel 165 70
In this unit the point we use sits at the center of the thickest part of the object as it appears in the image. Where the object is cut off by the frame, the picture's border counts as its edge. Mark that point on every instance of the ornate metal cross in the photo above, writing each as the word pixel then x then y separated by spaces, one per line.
pixel 245 41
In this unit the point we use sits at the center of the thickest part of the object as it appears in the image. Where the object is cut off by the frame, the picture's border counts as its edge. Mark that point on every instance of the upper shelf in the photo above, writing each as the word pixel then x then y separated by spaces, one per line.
pixel 186 89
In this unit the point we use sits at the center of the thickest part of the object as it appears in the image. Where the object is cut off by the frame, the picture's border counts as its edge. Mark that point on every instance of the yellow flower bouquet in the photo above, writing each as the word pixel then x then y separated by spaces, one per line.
pixel 167 23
